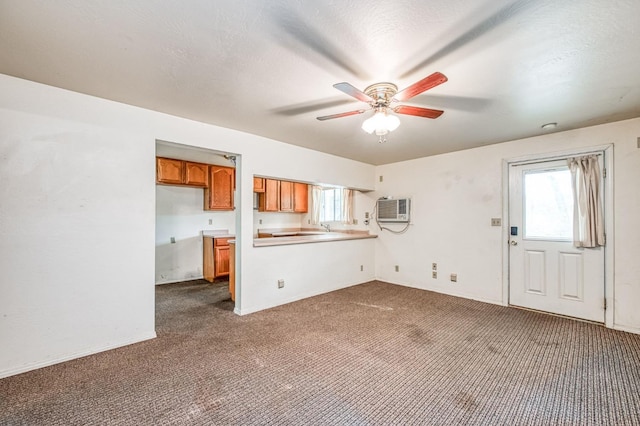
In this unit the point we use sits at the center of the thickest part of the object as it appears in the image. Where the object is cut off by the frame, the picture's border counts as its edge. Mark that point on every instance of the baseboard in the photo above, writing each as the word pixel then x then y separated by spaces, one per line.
pixel 37 365
pixel 462 296
pixel 201 277
pixel 253 309
pixel 628 329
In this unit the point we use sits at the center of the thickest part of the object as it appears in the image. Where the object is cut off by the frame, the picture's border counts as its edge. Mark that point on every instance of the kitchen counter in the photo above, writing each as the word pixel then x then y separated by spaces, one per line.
pixel 279 237
pixel 217 233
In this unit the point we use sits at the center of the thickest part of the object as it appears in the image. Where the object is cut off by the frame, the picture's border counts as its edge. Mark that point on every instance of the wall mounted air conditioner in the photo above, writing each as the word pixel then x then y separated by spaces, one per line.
pixel 393 210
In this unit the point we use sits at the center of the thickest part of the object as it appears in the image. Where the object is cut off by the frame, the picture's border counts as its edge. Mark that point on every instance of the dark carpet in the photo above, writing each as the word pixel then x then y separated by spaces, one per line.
pixel 374 354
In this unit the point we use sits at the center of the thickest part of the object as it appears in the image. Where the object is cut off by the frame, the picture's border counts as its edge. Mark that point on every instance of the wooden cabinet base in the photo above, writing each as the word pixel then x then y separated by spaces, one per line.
pixel 215 258
pixel 232 270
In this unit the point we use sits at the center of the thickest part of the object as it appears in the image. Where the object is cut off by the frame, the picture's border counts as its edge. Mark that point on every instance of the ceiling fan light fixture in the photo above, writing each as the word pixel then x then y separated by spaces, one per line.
pixel 381 123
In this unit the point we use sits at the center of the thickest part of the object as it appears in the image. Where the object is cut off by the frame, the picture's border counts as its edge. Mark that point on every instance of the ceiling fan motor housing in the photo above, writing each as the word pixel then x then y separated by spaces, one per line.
pixel 381 93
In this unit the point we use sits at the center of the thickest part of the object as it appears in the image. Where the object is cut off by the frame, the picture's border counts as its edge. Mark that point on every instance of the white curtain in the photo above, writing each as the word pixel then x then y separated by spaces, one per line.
pixel 316 204
pixel 588 225
pixel 347 206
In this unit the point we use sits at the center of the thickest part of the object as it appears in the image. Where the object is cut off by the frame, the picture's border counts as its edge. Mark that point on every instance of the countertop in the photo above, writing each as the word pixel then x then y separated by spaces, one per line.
pixel 217 233
pixel 311 236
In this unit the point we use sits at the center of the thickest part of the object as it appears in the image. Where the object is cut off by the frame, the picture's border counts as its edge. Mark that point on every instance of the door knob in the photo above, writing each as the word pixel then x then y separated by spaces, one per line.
pixel 513 243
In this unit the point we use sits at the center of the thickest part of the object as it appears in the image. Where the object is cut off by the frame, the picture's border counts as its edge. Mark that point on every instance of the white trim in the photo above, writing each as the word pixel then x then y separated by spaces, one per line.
pixel 257 308
pixel 444 291
pixel 626 328
pixel 181 280
pixel 76 355
pixel 609 248
pixel 608 214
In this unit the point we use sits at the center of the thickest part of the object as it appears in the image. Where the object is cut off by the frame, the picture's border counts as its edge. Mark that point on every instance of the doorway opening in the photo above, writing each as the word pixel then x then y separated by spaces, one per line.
pixel 195 222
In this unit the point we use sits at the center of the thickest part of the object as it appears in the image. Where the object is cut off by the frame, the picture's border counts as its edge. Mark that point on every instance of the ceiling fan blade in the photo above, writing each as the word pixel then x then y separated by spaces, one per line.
pixel 426 83
pixel 352 91
pixel 420 112
pixel 342 114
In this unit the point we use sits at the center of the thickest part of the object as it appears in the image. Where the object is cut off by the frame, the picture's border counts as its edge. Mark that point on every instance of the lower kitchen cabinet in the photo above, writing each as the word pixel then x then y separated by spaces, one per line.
pixel 215 258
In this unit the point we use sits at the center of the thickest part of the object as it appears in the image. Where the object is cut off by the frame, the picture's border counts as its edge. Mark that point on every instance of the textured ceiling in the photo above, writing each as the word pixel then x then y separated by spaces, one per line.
pixel 267 67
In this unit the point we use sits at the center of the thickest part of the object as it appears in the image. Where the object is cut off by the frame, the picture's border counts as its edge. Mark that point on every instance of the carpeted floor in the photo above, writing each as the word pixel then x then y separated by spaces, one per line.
pixel 374 354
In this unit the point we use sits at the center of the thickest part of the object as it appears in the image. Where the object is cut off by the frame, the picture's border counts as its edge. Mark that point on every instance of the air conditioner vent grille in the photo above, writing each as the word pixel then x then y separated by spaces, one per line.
pixel 393 210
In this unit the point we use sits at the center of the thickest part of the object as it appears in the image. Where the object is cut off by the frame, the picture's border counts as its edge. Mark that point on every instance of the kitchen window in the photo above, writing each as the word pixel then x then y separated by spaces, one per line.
pixel 332 205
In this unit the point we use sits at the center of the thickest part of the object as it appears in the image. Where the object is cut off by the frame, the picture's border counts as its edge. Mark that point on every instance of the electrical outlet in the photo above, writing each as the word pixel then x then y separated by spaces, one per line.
pixel 260 221
pixel 496 221
pixel 381 178
pixel 210 221
pixel 355 221
pixel 434 267
pixel 173 240
pixel 397 268
pixel 434 274
pixel 361 267
pixel 366 215
pixel 454 278
pixel 280 283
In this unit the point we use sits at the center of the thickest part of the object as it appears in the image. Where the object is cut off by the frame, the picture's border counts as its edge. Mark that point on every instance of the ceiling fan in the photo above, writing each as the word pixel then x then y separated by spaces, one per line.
pixel 380 96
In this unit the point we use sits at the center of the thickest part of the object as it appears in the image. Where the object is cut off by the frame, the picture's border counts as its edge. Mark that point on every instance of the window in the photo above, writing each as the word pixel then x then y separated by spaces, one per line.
pixel 331 205
pixel 548 203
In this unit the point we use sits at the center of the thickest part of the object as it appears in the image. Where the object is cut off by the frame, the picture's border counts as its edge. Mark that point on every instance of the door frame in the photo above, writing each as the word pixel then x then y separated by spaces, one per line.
pixel 608 203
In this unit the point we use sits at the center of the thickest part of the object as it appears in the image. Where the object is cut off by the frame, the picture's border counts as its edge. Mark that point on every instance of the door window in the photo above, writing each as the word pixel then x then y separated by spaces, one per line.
pixel 548 205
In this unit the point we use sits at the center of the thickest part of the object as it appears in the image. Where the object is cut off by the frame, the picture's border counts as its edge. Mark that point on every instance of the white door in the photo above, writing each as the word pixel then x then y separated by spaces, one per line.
pixel 546 272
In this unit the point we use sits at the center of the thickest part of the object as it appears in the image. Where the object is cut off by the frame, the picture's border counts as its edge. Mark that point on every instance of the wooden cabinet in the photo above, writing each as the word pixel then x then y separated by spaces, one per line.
pixel 221 257
pixel 232 270
pixel 258 184
pixel 286 196
pixel 169 171
pixel 269 200
pixel 300 197
pixel 219 195
pixel 179 172
pixel 215 258
pixel 195 174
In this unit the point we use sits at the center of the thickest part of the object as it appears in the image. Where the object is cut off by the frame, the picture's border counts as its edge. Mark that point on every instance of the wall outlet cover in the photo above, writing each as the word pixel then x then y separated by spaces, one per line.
pixel 454 278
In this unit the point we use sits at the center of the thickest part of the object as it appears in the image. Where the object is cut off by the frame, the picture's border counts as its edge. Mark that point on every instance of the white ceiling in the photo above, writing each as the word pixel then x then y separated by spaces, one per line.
pixel 267 67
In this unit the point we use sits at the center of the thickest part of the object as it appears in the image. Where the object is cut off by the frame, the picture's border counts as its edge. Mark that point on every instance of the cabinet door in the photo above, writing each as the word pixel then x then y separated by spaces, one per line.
pixel 300 197
pixel 219 195
pixel 221 255
pixel 196 174
pixel 169 171
pixel 286 196
pixel 270 199
pixel 258 184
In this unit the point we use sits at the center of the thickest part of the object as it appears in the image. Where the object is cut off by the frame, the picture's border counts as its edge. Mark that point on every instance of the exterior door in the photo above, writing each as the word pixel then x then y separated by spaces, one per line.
pixel 546 272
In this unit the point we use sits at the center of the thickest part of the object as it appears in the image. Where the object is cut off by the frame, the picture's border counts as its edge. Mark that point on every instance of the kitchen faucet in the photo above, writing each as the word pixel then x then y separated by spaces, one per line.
pixel 326 226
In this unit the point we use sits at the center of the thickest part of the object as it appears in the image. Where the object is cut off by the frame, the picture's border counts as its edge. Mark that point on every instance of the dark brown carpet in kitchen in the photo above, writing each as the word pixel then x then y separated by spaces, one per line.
pixel 374 354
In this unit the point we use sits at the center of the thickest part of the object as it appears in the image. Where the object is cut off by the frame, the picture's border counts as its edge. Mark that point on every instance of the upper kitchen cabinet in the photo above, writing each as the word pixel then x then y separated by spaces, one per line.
pixel 179 172
pixel 286 196
pixel 195 174
pixel 219 195
pixel 300 197
pixel 258 184
pixel 283 196
pixel 269 200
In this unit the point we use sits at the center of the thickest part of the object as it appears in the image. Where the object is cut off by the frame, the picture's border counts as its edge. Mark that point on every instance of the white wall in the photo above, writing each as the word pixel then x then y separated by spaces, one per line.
pixel 455 195
pixel 180 214
pixel 77 221
pixel 266 220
